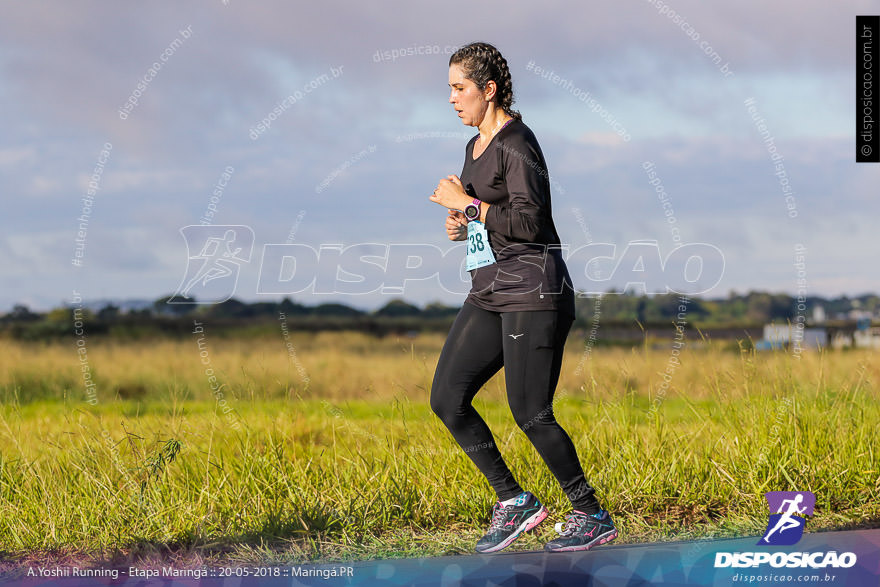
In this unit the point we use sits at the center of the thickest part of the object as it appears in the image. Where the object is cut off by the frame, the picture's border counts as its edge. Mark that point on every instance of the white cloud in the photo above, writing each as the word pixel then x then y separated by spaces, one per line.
pixel 194 119
pixel 16 156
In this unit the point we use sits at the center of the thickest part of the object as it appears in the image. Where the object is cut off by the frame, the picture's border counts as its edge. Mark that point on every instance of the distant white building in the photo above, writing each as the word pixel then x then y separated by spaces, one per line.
pixel 818 314
pixel 782 335
pixel 862 336
pixel 868 338
pixel 858 315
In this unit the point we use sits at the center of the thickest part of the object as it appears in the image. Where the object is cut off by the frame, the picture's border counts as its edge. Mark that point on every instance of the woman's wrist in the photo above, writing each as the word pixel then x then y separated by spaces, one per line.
pixel 484 207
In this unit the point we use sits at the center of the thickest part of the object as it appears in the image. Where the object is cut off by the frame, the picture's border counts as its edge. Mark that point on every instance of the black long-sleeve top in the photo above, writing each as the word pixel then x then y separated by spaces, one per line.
pixel 530 273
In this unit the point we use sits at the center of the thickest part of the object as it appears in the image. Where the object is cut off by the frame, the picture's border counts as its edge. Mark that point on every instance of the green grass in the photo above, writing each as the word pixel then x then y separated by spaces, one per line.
pixel 309 478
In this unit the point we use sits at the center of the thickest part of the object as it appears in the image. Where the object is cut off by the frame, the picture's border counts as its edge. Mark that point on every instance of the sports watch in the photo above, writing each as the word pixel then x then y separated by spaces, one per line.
pixel 472 210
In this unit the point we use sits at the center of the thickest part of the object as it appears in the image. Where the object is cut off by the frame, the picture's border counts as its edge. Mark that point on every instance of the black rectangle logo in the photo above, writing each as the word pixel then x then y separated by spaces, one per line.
pixel 867 72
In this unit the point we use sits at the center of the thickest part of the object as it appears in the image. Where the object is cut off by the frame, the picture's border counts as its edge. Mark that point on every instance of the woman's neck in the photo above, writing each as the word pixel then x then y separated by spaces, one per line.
pixel 491 124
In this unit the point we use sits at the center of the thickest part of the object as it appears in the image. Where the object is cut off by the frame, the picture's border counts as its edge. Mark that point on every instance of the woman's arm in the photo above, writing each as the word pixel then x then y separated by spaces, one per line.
pixel 522 217
pixel 450 193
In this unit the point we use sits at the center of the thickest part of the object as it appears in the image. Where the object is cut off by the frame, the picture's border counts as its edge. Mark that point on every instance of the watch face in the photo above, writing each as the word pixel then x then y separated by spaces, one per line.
pixel 471 212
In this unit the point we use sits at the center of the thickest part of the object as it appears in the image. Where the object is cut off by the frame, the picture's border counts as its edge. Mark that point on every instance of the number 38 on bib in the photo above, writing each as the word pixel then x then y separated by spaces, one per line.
pixel 479 253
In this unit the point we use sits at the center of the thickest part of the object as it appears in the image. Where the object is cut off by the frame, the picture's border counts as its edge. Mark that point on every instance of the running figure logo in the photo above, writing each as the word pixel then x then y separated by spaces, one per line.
pixel 787 511
pixel 212 274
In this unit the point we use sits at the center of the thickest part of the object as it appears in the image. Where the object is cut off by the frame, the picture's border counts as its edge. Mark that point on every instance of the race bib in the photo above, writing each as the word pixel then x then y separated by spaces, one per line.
pixel 479 253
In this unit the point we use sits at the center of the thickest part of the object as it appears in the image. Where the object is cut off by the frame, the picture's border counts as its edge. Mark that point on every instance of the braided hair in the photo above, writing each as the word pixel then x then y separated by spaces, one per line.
pixel 482 62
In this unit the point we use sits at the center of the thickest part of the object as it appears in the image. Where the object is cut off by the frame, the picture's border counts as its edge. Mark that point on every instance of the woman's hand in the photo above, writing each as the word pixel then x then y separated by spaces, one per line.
pixel 450 193
pixel 456 226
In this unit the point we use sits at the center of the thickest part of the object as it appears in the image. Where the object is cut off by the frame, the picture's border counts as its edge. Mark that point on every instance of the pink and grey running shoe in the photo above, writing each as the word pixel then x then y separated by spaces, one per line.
pixel 509 521
pixel 583 531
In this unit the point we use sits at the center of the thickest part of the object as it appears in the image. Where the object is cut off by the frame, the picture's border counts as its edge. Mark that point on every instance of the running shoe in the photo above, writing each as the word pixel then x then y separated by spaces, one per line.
pixel 509 521
pixel 583 531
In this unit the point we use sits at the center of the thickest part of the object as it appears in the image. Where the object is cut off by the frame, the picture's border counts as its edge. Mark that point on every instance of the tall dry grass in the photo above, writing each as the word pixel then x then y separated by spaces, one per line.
pixel 338 454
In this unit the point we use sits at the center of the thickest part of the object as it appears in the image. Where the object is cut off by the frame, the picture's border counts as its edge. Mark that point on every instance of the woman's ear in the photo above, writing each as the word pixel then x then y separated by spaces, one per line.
pixel 491 88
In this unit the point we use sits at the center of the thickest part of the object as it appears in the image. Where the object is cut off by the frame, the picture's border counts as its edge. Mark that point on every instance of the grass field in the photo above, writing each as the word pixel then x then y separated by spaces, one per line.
pixel 323 447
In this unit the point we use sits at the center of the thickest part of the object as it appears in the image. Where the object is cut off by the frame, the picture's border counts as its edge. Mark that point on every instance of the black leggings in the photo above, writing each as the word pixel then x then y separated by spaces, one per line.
pixel 529 345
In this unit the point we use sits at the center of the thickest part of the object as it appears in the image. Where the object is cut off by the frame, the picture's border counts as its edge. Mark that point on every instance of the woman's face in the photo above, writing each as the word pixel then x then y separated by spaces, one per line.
pixel 466 98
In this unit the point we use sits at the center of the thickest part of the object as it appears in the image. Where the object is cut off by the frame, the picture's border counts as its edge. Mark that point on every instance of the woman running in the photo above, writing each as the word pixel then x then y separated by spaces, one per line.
pixel 519 310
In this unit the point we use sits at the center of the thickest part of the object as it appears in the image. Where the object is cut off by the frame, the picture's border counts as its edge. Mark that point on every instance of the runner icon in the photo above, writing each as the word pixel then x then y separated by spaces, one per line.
pixel 217 262
pixel 785 521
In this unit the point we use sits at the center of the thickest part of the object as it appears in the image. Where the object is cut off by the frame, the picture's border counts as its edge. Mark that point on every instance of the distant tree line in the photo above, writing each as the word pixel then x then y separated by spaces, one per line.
pixel 750 308
pixel 174 316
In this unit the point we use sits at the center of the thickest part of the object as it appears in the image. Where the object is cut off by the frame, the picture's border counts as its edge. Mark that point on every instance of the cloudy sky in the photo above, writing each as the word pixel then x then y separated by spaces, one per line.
pixel 360 130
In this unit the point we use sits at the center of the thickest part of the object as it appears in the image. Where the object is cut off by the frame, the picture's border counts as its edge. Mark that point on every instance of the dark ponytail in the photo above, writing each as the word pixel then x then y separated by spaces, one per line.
pixel 482 62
